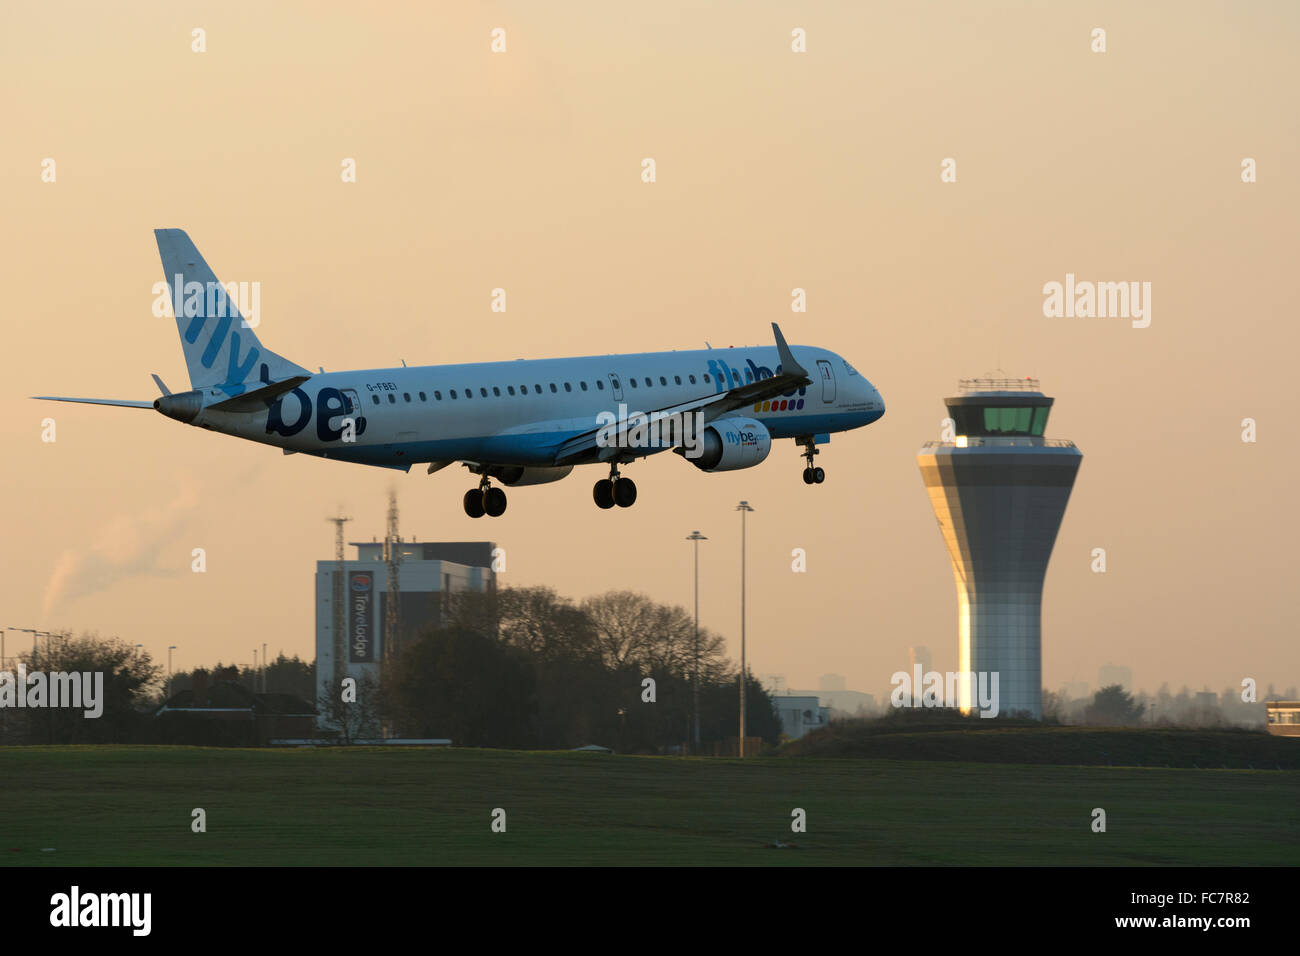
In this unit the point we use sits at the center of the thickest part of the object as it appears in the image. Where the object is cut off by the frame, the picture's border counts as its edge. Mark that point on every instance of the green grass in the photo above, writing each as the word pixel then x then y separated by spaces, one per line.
pixel 909 736
pixel 376 806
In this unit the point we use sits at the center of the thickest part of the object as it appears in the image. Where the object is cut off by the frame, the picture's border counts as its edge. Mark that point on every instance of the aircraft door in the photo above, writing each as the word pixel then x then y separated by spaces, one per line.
pixel 618 387
pixel 828 380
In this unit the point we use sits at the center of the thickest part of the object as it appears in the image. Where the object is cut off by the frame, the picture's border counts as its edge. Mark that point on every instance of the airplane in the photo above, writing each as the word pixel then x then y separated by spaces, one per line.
pixel 521 422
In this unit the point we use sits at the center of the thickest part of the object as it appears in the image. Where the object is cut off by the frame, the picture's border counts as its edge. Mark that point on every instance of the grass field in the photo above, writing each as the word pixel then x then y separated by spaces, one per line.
pixel 131 806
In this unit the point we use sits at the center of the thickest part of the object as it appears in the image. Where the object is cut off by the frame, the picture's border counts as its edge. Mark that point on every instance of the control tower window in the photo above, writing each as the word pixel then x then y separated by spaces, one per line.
pixel 1000 419
pixel 1007 420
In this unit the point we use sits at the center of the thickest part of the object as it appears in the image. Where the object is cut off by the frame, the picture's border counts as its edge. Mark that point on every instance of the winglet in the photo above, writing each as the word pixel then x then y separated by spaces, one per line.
pixel 788 365
pixel 159 382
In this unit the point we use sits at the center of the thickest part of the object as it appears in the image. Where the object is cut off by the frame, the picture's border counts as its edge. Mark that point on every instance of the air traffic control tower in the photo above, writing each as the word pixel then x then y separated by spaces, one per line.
pixel 999 489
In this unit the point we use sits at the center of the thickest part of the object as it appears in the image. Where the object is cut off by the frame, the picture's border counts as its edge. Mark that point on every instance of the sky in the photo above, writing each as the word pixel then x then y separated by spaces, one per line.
pixel 775 170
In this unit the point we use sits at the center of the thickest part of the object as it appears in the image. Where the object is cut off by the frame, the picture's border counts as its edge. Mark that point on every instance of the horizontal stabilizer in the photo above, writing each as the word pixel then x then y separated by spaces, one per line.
pixel 94 401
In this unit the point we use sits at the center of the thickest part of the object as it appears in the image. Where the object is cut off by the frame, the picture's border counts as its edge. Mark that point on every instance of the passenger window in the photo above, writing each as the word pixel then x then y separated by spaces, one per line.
pixel 510 389
pixel 633 381
pixel 692 378
pixel 437 394
pixel 392 399
pixel 662 380
pixel 423 397
pixel 553 388
pixel 407 396
pixel 582 385
pixel 706 378
pixel 648 383
pixel 677 379
pixel 375 399
pixel 483 392
pixel 537 388
pixel 453 393
pixel 496 391
pixel 568 387
pixel 600 384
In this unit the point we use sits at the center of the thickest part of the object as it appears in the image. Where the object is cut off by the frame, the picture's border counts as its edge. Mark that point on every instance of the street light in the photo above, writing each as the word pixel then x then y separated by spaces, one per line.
pixel 744 509
pixel 695 694
pixel 170 648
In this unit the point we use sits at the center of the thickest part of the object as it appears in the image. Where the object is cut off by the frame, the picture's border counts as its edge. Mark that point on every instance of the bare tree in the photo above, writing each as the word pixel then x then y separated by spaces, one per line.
pixel 355 708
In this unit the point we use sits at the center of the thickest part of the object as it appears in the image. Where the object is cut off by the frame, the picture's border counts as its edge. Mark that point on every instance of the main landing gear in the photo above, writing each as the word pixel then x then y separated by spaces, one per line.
pixel 614 490
pixel 812 475
pixel 485 500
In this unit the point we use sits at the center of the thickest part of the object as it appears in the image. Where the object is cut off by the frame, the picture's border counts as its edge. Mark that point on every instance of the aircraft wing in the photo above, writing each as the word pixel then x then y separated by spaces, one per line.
pixel 585 448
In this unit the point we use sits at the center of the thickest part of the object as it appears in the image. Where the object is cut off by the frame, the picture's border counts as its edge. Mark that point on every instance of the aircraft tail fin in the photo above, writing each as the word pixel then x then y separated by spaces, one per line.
pixel 220 345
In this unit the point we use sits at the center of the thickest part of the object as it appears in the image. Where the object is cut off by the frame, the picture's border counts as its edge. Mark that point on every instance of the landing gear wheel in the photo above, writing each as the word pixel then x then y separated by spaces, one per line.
pixel 494 502
pixel 624 493
pixel 812 475
pixel 474 503
pixel 603 493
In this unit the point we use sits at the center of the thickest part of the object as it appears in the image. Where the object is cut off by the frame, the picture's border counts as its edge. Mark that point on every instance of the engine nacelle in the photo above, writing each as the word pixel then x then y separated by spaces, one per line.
pixel 730 444
pixel 516 475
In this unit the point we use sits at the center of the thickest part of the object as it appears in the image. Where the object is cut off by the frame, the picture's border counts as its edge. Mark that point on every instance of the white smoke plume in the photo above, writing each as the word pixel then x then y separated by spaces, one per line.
pixel 127 545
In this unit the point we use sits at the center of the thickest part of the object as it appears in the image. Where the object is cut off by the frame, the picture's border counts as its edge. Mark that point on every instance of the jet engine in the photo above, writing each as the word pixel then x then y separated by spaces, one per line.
pixel 730 444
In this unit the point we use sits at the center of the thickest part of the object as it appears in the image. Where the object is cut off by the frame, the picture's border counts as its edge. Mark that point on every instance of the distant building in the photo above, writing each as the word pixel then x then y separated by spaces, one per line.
pixel 218 711
pixel 1110 674
pixel 919 655
pixel 429 572
pixel 832 682
pixel 800 715
pixel 1283 717
pixel 845 701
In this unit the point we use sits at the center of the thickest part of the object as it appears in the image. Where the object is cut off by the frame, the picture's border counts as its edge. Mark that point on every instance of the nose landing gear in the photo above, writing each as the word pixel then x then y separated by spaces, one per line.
pixel 812 475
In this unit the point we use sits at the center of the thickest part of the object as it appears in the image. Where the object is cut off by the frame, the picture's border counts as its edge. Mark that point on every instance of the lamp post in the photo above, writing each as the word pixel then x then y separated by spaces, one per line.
pixel 744 509
pixel 170 648
pixel 695 693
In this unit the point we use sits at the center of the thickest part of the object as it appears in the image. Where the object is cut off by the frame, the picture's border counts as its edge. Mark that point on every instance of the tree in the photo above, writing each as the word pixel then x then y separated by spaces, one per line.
pixel 354 710
pixel 1113 707
pixel 455 683
pixel 125 675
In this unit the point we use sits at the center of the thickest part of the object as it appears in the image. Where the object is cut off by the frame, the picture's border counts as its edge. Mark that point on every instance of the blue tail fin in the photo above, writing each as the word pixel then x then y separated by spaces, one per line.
pixel 220 347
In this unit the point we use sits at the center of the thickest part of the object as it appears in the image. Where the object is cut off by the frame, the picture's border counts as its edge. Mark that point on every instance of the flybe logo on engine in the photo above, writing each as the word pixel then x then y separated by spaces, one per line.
pixel 725 377
pixel 289 420
pixel 743 438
